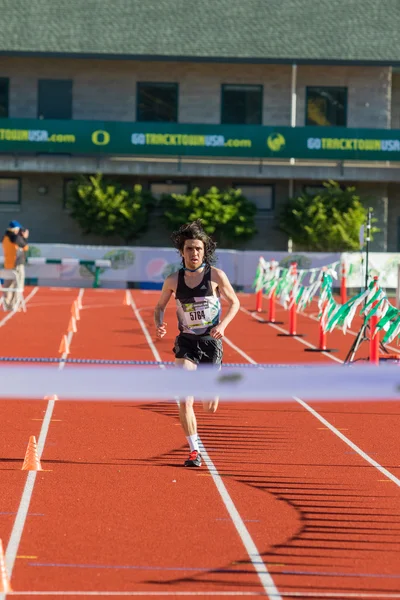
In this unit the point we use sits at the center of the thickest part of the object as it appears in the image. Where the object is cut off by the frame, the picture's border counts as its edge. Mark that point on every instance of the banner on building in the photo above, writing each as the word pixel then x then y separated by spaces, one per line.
pixel 180 139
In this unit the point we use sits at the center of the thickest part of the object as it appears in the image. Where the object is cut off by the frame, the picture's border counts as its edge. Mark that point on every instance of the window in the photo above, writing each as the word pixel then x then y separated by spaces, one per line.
pixel 10 191
pixel 55 99
pixel 159 189
pixel 261 195
pixel 241 105
pixel 3 98
pixel 157 102
pixel 326 106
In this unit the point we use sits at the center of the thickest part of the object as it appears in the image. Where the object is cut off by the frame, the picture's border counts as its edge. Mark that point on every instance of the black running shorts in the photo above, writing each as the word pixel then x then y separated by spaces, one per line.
pixel 200 350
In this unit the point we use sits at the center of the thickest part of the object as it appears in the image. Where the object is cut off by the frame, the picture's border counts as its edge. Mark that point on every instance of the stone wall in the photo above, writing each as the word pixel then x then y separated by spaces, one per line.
pixel 106 89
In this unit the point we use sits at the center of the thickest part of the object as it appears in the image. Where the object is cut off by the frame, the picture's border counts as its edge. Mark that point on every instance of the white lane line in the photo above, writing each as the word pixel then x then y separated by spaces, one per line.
pixel 236 348
pixel 16 533
pixel 251 549
pixel 41 304
pixel 305 594
pixel 221 593
pixel 13 312
pixel 344 595
pixel 239 351
pixel 70 335
pixel 91 306
pixel 346 440
pixel 145 330
pixel 23 509
pixel 105 290
pixel 247 541
pixel 353 446
pixel 298 339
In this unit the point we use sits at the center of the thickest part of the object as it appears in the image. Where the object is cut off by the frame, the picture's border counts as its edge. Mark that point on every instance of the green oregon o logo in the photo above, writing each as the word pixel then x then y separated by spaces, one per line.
pixel 276 142
pixel 100 138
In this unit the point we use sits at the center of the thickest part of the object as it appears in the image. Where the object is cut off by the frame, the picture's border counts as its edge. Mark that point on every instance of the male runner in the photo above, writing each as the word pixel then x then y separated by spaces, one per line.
pixel 197 287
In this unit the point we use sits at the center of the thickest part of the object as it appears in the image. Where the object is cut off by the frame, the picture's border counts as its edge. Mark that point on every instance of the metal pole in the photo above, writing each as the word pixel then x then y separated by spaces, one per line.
pixel 293 115
pixel 368 239
pixel 293 111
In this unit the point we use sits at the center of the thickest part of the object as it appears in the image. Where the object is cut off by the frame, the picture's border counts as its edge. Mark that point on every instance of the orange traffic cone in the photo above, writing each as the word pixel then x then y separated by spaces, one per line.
pixel 75 310
pixel 72 325
pixel 31 462
pixel 127 298
pixel 64 346
pixel 4 580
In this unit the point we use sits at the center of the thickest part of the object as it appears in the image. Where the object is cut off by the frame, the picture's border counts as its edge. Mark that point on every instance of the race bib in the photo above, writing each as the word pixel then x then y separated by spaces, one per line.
pixel 197 314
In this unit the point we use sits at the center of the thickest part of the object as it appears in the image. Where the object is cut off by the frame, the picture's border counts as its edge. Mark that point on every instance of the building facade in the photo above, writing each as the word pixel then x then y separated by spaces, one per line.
pixel 272 125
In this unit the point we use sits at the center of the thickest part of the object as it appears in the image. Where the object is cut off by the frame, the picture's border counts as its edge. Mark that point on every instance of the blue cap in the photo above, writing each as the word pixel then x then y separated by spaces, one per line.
pixel 14 225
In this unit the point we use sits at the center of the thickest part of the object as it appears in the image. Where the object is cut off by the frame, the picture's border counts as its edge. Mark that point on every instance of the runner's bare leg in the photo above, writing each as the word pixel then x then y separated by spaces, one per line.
pixel 211 405
pixel 186 411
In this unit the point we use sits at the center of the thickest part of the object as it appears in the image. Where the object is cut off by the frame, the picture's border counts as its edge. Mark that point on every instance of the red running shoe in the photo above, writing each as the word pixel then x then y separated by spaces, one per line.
pixel 194 459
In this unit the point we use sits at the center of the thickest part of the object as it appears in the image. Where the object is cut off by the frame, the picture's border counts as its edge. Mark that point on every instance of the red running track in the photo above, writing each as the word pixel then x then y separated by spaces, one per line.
pixel 115 511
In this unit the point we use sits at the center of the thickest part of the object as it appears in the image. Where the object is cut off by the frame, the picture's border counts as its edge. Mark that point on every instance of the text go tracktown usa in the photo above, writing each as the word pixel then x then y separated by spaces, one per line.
pixel 179 139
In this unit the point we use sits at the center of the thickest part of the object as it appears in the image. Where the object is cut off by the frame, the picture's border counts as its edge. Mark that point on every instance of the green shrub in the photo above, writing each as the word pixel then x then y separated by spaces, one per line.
pixel 226 215
pixel 107 208
pixel 327 222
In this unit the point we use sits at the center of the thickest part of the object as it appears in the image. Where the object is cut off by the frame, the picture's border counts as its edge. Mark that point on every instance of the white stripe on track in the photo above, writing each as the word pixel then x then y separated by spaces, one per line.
pixel 13 312
pixel 145 330
pixel 346 440
pixel 251 549
pixel 305 594
pixel 344 595
pixel 23 509
pixel 145 594
pixel 298 339
pixel 264 576
pixel 239 351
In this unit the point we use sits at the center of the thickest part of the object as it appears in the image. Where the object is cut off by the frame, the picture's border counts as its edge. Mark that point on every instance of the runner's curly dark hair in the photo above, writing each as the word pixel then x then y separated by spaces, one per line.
pixel 195 231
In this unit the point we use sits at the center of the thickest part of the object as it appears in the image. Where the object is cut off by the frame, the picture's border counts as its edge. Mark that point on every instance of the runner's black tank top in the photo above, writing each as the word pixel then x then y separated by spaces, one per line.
pixel 198 309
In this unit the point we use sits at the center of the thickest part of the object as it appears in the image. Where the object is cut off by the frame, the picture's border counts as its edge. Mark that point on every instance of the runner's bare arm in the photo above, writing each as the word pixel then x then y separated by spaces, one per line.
pixel 225 288
pixel 166 293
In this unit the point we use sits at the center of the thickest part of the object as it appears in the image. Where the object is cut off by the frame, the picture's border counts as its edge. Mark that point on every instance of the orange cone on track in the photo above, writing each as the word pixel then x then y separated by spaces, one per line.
pixel 75 310
pixel 72 325
pixel 31 462
pixel 4 580
pixel 64 346
pixel 127 298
